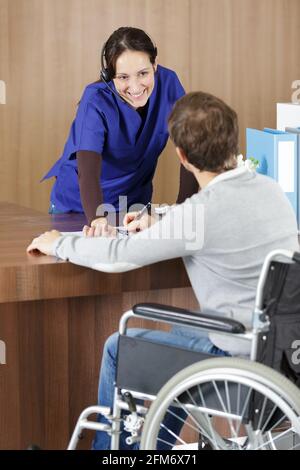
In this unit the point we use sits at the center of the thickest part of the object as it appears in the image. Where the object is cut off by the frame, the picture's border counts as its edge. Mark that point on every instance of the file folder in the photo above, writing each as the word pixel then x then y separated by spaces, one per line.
pixel 296 130
pixel 276 152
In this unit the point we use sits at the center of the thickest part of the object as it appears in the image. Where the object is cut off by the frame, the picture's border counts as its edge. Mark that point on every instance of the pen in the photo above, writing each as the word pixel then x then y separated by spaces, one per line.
pixel 142 211
pixel 123 230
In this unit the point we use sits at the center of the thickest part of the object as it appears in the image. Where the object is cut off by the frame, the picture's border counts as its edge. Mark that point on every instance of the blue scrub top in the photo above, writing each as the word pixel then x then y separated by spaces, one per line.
pixel 109 126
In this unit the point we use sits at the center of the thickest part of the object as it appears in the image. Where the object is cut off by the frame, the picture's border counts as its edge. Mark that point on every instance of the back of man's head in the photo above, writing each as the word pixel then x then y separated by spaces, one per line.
pixel 206 129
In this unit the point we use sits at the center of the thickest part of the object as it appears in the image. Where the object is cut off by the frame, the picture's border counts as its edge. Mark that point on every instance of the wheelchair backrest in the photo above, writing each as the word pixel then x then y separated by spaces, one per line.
pixel 279 348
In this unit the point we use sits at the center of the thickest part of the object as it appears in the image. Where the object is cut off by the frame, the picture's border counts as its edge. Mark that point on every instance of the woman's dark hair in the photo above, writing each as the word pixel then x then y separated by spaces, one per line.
pixel 206 129
pixel 125 38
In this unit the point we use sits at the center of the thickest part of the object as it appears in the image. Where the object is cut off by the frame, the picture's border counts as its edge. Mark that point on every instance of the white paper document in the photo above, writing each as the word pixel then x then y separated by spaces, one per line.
pixel 80 234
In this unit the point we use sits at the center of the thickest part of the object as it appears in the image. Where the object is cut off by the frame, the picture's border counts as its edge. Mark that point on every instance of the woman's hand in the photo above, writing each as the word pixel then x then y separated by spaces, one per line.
pixel 99 220
pixel 43 243
pixel 100 228
pixel 137 225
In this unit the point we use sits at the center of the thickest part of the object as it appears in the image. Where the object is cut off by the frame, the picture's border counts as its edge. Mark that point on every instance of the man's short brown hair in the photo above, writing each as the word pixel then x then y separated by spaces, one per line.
pixel 206 129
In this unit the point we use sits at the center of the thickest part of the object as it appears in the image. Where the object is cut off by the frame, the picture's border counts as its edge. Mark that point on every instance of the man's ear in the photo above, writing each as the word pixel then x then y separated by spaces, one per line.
pixel 182 157
pixel 155 66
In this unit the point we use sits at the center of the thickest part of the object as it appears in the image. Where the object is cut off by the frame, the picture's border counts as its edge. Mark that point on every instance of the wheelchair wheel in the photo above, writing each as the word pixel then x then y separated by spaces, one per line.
pixel 227 404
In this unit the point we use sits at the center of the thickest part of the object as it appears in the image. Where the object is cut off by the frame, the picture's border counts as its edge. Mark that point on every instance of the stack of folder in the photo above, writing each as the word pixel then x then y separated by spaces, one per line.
pixel 278 153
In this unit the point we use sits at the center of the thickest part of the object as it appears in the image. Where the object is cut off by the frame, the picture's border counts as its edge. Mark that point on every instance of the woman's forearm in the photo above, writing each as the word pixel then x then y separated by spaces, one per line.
pixel 89 170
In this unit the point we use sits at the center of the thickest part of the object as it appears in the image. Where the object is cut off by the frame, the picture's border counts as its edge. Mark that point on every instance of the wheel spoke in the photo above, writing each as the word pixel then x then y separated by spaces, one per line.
pixel 222 397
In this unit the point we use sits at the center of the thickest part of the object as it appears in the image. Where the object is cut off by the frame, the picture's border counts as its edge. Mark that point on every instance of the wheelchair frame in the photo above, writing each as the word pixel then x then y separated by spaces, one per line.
pixel 176 316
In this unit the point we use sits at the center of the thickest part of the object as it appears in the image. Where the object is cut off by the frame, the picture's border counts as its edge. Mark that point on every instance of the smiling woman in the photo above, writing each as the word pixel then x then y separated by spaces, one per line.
pixel 138 84
pixel 119 131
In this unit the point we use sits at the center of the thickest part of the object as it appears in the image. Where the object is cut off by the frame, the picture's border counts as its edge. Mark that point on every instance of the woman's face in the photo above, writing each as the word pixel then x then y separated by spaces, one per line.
pixel 134 78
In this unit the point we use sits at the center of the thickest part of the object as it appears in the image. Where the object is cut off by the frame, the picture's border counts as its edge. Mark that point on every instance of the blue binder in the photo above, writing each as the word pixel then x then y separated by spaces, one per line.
pixel 276 152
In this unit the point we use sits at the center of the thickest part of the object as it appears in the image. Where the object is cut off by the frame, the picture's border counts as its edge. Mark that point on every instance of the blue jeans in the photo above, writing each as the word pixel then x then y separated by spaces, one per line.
pixel 177 337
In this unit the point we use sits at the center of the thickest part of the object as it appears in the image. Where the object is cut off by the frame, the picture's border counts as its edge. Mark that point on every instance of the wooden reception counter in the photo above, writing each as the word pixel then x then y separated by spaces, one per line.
pixel 54 319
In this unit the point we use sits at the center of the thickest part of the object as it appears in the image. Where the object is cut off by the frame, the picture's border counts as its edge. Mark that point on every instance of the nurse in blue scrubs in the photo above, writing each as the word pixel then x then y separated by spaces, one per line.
pixel 119 132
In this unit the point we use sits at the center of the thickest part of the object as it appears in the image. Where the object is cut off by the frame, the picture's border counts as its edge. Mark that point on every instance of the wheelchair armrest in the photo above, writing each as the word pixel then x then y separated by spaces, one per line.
pixel 181 316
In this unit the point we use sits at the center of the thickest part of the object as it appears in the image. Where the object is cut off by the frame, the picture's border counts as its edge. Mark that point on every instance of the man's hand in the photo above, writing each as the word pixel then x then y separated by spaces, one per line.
pixel 100 227
pixel 133 225
pixel 43 243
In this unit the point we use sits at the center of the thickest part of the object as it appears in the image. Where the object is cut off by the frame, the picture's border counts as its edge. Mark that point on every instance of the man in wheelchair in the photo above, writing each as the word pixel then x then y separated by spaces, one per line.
pixel 223 233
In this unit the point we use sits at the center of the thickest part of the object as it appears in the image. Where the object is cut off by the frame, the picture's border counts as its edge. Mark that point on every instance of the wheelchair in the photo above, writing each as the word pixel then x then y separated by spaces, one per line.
pixel 213 402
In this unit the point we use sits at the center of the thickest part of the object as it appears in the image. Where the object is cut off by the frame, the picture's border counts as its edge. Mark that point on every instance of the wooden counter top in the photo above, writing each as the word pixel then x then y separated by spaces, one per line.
pixel 28 277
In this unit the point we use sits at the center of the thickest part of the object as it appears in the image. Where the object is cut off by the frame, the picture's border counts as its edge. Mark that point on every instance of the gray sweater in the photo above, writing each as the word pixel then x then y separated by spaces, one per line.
pixel 223 234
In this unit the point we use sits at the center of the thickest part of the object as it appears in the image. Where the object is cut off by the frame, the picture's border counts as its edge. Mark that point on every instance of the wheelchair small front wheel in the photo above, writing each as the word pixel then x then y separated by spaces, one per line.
pixel 232 404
